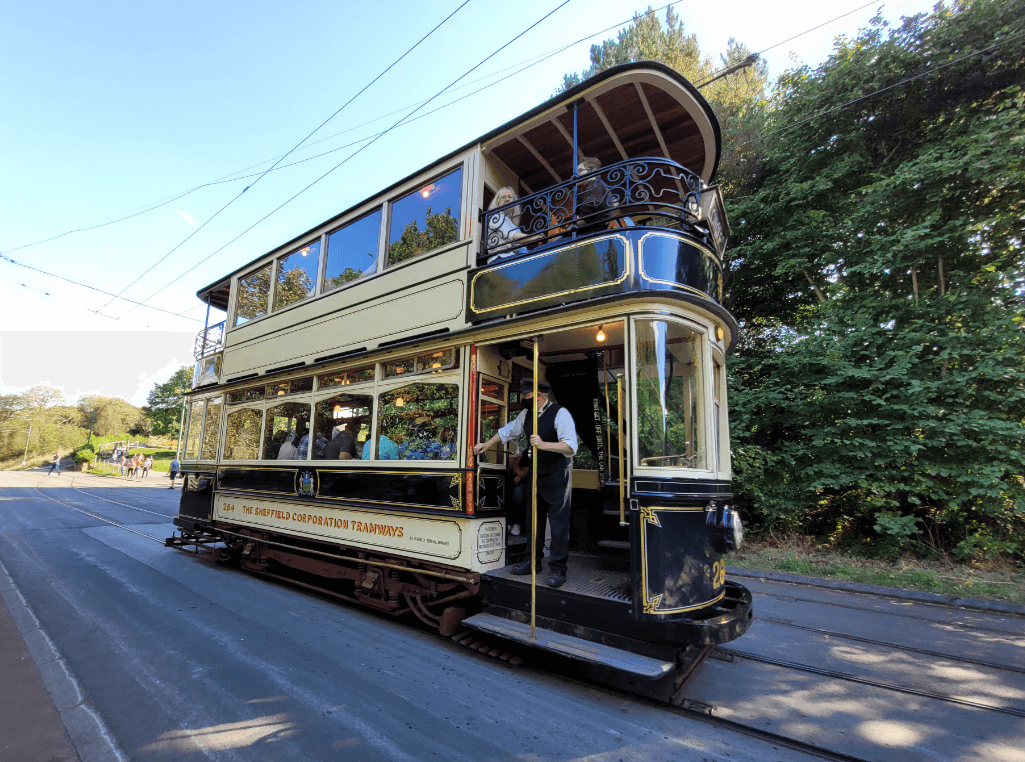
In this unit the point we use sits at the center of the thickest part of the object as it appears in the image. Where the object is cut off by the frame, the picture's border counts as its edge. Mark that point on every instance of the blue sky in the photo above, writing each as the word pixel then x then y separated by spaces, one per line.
pixel 112 106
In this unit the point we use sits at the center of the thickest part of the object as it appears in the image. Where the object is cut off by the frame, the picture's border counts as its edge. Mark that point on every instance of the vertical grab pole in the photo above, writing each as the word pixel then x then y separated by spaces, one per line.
pixel 622 469
pixel 533 509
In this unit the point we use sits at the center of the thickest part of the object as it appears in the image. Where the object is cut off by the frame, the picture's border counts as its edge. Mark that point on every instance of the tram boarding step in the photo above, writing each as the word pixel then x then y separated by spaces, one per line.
pixel 614 544
pixel 574 648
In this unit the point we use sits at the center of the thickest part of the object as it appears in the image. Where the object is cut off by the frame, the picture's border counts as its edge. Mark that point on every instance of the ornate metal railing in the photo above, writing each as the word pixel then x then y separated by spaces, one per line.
pixel 648 191
pixel 209 341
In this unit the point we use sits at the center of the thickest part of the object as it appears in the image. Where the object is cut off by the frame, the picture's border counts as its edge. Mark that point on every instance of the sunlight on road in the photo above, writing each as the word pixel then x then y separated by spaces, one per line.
pixel 230 735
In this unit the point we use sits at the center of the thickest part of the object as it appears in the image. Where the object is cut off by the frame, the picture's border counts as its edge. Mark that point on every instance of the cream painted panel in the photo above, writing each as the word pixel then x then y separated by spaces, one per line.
pixel 399 278
pixel 387 318
pixel 473 544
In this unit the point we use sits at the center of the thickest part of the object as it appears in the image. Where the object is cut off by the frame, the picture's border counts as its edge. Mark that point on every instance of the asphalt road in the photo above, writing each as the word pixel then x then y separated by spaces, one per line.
pixel 172 658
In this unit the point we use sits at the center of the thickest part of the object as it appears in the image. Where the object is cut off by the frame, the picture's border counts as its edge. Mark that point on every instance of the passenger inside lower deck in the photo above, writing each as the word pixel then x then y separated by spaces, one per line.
pixel 556 443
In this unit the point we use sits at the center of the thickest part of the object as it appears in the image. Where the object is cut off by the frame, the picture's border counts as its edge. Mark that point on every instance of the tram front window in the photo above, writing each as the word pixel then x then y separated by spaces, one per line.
pixel 284 429
pixel 669 419
pixel 213 430
pixel 418 422
pixel 195 428
pixel 344 420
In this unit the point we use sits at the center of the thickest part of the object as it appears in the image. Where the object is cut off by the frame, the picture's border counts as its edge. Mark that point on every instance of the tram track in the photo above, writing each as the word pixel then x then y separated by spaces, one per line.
pixel 905 615
pixel 98 516
pixel 734 654
pixel 894 646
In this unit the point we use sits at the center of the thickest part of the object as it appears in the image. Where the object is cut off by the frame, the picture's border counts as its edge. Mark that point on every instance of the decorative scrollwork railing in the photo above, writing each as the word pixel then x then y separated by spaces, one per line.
pixel 648 191
pixel 209 341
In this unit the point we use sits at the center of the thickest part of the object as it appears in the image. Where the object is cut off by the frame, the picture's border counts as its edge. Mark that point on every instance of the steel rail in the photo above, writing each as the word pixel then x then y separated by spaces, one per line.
pixel 97 516
pixel 896 646
pixel 846 676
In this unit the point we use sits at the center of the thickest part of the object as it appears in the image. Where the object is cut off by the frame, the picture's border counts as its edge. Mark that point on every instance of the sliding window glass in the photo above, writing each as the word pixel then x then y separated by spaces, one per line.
pixel 297 276
pixel 242 434
pixel 195 430
pixel 344 421
pixel 253 292
pixel 285 427
pixel 418 422
pixel 352 251
pixel 425 219
pixel 213 430
pixel 670 428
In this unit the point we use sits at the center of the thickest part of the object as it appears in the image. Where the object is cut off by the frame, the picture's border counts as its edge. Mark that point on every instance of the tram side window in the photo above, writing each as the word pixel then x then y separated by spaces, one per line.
pixel 297 276
pixel 242 434
pixel 344 421
pixel 435 207
pixel 195 429
pixel 417 422
pixel 284 428
pixel 352 251
pixel 212 431
pixel 253 293
pixel 668 373
pixel 493 416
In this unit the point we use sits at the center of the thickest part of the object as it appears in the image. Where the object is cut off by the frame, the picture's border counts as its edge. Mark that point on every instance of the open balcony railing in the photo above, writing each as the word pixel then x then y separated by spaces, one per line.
pixel 648 191
pixel 209 341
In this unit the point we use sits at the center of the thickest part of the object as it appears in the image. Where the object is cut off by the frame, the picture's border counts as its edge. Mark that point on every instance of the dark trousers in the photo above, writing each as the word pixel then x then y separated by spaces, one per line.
pixel 554 505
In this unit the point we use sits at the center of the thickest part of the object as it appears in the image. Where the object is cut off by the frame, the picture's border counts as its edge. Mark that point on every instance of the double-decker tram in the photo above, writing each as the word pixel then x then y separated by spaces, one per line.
pixel 331 431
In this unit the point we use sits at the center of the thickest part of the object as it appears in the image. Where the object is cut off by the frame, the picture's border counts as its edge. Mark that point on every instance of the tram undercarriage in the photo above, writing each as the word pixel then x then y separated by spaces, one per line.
pixel 590 620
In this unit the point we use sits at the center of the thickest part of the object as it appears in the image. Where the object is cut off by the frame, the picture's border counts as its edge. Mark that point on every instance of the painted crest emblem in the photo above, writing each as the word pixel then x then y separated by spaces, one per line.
pixel 306 484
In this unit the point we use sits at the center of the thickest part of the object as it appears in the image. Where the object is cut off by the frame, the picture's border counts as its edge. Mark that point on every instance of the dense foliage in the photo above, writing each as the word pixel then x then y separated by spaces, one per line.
pixel 878 389
pixel 164 404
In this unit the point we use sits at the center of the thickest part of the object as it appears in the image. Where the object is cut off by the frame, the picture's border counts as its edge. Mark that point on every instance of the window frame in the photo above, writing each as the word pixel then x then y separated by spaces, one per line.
pixel 704 333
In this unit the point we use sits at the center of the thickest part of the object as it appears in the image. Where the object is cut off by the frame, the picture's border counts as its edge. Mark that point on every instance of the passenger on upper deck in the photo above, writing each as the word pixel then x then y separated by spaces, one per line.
pixel 502 232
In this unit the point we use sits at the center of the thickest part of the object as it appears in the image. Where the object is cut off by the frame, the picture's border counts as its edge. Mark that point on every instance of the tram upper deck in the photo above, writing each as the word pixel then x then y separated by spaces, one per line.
pixel 612 201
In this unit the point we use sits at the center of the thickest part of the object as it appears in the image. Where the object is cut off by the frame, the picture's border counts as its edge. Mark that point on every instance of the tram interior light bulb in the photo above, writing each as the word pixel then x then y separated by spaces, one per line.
pixel 399 402
pixel 600 336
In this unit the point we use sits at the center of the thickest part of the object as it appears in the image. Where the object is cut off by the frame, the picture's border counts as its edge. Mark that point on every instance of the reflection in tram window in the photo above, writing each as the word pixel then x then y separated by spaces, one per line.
pixel 347 376
pixel 297 276
pixel 425 219
pixel 352 251
pixel 418 422
pixel 242 434
pixel 344 420
pixel 669 426
pixel 253 293
pixel 195 428
pixel 283 429
pixel 212 431
pixel 493 416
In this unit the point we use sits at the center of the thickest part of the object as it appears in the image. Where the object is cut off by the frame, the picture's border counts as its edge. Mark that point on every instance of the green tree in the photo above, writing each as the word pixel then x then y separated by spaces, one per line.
pixel 164 404
pixel 113 415
pixel 441 229
pixel 877 271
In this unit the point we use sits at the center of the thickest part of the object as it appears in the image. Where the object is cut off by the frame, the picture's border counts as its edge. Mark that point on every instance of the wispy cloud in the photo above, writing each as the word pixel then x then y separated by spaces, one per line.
pixel 185 216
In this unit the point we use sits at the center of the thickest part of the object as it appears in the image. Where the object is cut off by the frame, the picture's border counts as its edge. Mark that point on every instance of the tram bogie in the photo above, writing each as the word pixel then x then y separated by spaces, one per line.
pixel 341 441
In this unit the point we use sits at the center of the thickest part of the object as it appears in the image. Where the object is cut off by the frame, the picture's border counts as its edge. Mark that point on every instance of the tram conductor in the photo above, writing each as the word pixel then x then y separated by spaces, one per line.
pixel 556 443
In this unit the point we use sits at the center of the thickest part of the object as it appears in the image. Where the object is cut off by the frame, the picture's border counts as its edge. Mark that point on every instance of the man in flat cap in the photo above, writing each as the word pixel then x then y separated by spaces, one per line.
pixel 556 443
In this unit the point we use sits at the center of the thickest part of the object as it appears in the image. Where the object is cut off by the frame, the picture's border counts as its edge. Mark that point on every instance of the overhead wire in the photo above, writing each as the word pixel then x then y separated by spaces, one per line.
pixel 357 151
pixel 264 173
pixel 236 176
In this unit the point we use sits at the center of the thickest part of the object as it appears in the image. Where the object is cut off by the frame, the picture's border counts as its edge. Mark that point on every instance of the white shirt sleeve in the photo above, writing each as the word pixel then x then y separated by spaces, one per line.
pixel 514 428
pixel 566 429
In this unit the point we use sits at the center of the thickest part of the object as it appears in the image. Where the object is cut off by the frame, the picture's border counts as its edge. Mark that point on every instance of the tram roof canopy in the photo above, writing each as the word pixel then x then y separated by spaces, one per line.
pixel 629 111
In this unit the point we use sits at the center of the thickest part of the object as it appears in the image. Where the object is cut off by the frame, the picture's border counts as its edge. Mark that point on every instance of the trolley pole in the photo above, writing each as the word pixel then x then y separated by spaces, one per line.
pixel 24 458
pixel 533 506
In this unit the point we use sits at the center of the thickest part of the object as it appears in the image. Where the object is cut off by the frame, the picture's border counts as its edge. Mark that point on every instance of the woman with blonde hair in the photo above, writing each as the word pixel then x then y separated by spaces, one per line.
pixel 502 232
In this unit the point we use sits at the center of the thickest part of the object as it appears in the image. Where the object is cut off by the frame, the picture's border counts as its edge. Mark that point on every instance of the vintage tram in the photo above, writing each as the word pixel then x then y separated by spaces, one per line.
pixel 329 435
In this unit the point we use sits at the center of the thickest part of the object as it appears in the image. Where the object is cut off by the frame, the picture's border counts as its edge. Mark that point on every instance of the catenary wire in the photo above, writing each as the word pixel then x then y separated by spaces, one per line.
pixel 282 158
pixel 357 151
pixel 231 176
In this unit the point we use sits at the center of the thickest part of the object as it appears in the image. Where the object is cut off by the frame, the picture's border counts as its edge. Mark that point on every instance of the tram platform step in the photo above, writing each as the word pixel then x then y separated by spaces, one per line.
pixel 573 648
pixel 614 544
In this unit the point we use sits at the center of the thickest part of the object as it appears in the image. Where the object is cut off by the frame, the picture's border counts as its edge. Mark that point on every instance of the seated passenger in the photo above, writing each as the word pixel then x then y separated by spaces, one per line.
pixel 502 232
pixel 342 445
pixel 386 449
pixel 320 444
pixel 288 450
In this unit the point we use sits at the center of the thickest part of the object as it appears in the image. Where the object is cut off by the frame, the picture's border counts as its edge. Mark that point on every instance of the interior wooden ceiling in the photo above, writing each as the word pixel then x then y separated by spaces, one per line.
pixel 626 115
